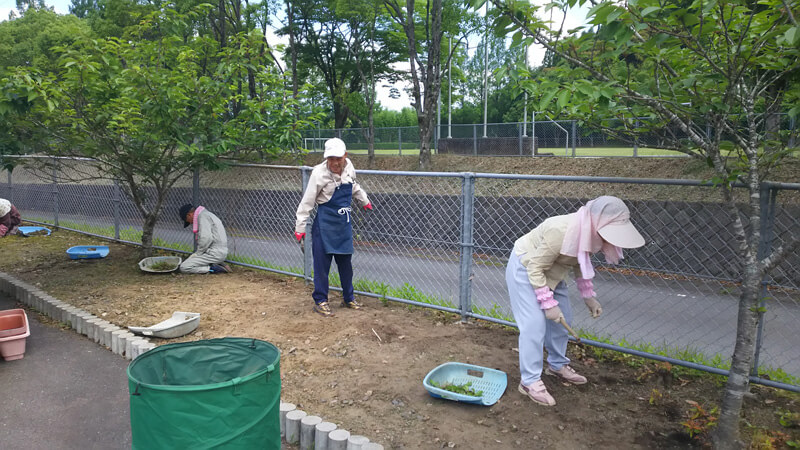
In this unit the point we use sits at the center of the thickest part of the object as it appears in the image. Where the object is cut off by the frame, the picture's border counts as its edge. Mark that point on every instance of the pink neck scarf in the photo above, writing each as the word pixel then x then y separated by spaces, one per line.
pixel 197 212
pixel 582 239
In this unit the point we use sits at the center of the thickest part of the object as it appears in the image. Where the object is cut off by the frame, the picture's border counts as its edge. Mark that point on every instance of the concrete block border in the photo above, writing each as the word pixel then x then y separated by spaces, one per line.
pixel 94 328
pixel 297 427
pixel 312 432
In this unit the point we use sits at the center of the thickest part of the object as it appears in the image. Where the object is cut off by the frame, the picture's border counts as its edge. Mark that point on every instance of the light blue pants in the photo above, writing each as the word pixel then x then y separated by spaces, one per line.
pixel 535 331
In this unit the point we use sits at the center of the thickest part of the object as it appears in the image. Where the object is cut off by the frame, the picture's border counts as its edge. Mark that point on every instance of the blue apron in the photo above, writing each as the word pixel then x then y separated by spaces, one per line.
pixel 333 219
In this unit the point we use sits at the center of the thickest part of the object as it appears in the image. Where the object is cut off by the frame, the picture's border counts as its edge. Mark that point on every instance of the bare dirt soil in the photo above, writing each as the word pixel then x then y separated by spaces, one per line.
pixel 364 369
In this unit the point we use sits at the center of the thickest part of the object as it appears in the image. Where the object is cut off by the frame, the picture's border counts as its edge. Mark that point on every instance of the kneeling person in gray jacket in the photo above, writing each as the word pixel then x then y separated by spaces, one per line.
pixel 212 242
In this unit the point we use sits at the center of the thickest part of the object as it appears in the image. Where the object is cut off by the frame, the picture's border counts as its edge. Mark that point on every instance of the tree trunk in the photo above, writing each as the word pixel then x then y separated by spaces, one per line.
pixel 148 227
pixel 340 113
pixel 371 140
pixel 727 433
pixel 425 143
pixel 772 119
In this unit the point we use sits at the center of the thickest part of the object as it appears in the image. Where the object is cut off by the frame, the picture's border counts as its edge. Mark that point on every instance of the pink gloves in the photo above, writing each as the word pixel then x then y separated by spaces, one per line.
pixel 368 206
pixel 299 236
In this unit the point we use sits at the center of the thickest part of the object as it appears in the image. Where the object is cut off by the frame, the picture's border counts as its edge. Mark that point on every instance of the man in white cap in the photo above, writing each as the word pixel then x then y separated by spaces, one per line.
pixel 9 218
pixel 331 186
pixel 537 269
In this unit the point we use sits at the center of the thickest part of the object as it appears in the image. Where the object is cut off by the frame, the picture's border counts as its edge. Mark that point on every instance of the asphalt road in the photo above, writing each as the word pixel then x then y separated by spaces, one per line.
pixel 66 393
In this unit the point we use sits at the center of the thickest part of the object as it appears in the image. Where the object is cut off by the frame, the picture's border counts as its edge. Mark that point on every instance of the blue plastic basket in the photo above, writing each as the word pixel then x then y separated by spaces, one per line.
pixel 25 231
pixel 491 381
pixel 88 251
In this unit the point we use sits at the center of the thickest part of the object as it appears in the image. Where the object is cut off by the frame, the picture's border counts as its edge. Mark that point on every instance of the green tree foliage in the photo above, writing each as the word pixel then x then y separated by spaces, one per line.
pixel 152 110
pixel 505 94
pixel 111 18
pixel 424 27
pixel 333 39
pixel 709 77
pixel 406 117
pixel 27 41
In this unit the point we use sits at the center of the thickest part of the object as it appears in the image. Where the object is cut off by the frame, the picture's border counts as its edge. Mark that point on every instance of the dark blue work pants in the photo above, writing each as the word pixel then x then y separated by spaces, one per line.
pixel 322 267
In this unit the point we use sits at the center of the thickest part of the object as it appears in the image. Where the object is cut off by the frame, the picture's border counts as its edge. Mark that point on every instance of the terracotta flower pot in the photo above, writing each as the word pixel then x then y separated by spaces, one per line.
pixel 14 331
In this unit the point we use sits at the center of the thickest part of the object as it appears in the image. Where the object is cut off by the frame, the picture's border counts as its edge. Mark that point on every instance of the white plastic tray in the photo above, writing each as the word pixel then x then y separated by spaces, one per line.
pixel 181 323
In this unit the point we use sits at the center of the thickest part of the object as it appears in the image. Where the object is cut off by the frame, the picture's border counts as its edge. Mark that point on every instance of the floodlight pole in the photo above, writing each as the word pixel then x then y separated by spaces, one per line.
pixel 525 105
pixel 450 91
pixel 485 70
pixel 533 133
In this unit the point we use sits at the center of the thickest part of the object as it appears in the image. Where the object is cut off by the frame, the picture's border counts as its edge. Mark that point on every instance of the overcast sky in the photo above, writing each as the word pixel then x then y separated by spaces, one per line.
pixel 573 20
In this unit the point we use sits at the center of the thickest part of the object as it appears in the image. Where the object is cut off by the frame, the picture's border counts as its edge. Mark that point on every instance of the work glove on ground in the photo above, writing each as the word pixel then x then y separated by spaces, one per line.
pixel 299 236
pixel 594 307
pixel 553 314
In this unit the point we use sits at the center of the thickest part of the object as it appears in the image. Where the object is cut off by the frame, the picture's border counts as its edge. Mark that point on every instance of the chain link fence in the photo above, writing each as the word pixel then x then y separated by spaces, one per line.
pixel 540 136
pixel 442 240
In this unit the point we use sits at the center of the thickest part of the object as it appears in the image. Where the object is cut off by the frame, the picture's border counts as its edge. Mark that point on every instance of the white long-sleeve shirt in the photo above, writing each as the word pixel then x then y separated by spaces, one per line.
pixel 321 185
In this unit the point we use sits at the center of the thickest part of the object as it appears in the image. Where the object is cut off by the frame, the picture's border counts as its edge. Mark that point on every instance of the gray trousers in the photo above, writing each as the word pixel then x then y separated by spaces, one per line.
pixel 201 262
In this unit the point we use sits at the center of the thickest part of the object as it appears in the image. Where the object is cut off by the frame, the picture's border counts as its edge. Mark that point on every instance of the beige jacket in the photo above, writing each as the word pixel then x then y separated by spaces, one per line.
pixel 540 252
pixel 321 185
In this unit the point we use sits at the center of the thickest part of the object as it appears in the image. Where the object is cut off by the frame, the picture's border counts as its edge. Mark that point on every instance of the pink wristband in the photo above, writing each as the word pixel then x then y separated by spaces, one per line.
pixel 586 287
pixel 545 297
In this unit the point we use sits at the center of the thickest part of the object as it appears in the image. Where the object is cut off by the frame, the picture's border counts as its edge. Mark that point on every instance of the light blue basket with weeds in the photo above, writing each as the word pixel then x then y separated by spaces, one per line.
pixel 488 385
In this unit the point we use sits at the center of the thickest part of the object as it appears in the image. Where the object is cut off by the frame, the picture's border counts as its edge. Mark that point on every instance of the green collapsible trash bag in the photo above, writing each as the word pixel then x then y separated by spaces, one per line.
pixel 215 393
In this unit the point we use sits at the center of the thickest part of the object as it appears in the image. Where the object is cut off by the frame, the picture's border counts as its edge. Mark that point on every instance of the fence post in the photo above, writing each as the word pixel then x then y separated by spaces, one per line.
pixel 533 133
pixel 574 136
pixel 768 199
pixel 465 275
pixel 195 195
pixel 399 144
pixel 308 267
pixel 10 188
pixel 791 132
pixel 636 139
pixel 117 200
pixel 55 192
pixel 519 139
pixel 475 139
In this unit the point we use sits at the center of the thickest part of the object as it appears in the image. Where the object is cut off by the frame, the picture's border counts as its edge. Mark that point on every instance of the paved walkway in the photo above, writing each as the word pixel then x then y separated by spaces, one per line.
pixel 66 393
